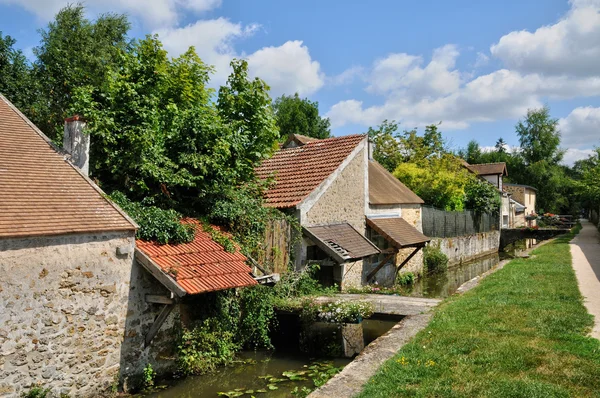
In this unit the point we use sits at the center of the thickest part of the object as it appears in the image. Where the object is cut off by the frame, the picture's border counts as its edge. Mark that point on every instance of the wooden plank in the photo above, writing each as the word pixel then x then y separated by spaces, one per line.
pixel 156 299
pixel 160 319
pixel 159 274
pixel 380 265
pixel 407 259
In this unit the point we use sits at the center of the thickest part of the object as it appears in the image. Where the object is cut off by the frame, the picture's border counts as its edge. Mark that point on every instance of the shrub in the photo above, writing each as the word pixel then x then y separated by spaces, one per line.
pixel 163 226
pixel 149 376
pixel 36 392
pixel 434 260
pixel 405 279
pixel 258 315
pixel 205 347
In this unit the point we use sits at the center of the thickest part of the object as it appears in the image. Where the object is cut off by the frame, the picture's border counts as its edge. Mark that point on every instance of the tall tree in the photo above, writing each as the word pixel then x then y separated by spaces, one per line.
pixel 74 52
pixel 387 148
pixel 539 137
pixel 297 115
pixel 473 153
pixel 15 74
pixel 500 145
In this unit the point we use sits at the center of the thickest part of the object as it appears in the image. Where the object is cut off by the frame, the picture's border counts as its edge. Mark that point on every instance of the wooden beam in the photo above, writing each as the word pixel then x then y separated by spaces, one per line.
pixel 407 259
pixel 158 273
pixel 380 265
pixel 272 278
pixel 160 319
pixel 156 299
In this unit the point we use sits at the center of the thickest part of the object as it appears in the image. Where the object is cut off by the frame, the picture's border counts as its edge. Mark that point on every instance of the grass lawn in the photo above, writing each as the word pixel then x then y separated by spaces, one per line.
pixel 520 333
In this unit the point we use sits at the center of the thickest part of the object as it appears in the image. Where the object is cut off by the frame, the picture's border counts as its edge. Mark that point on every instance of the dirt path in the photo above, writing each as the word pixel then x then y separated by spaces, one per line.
pixel 585 249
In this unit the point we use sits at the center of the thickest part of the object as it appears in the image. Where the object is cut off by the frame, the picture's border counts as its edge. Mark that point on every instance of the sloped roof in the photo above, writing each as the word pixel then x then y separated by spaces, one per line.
pixel 385 189
pixel 298 140
pixel 398 232
pixel 341 241
pixel 300 170
pixel 41 193
pixel 488 168
pixel 200 266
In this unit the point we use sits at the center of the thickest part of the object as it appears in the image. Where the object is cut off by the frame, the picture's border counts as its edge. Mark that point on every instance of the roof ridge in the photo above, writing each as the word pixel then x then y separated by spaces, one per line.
pixel 61 152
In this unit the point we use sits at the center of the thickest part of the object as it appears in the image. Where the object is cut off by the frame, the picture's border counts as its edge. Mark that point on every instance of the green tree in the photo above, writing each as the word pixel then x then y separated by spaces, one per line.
pixel 300 116
pixel 387 148
pixel 482 197
pixel 500 145
pixel 74 52
pixel 15 74
pixel 473 153
pixel 245 106
pixel 539 137
pixel 440 181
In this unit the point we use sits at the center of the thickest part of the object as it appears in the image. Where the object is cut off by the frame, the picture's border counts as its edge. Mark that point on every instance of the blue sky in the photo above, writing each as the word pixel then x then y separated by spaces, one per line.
pixel 475 66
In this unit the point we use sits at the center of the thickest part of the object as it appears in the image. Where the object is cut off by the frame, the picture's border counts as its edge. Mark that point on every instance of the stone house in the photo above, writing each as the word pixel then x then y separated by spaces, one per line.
pixel 82 309
pixel 341 197
pixel 524 194
pixel 66 256
pixel 494 174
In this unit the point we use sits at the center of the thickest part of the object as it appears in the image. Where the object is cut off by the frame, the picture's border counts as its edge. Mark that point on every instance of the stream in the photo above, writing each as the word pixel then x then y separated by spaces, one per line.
pixel 255 368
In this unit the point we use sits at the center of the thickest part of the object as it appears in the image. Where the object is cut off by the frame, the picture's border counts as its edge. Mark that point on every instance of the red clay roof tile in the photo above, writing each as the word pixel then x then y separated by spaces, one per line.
pixel 40 192
pixel 298 171
pixel 199 266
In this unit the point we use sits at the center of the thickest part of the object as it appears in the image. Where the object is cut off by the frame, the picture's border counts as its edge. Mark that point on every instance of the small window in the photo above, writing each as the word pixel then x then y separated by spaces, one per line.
pixel 505 221
pixel 382 244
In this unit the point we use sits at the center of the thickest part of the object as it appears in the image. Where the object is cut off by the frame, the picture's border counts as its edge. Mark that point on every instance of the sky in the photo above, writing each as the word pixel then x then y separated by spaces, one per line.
pixel 474 66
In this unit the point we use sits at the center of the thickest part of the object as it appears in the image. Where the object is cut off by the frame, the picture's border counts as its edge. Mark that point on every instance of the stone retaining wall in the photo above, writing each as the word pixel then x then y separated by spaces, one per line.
pixel 464 248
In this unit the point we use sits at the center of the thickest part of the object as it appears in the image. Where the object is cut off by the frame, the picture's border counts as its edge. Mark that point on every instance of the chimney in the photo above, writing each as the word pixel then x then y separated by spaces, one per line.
pixel 76 143
pixel 371 149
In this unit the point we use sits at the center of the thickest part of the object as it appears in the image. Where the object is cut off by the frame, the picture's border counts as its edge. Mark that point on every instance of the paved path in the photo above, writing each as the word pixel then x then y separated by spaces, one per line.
pixel 388 304
pixel 585 249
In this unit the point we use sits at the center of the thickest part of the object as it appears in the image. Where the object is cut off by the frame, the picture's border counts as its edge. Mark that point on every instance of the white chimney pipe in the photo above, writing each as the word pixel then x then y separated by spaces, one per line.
pixel 77 143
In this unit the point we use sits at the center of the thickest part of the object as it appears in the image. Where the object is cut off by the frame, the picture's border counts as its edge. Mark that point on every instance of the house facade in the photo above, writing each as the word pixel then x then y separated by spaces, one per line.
pixel 66 255
pixel 326 184
pixel 525 195
pixel 84 305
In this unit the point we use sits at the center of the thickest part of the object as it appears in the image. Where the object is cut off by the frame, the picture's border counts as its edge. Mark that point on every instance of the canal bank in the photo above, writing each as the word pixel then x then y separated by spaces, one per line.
pixel 521 332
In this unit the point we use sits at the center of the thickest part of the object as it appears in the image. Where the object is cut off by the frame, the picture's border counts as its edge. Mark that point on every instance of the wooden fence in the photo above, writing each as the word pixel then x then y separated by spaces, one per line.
pixel 277 246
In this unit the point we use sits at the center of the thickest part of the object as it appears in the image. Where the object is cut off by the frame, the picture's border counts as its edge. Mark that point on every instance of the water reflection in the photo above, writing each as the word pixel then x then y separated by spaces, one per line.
pixel 445 284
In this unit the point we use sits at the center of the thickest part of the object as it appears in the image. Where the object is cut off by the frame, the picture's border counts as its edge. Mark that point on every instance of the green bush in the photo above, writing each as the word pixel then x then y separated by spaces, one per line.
pixel 434 260
pixel 257 316
pixel 405 279
pixel 163 226
pixel 36 392
pixel 205 347
pixel 149 376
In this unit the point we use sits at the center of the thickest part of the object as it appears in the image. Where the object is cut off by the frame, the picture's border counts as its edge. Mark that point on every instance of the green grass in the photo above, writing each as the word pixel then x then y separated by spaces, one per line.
pixel 520 333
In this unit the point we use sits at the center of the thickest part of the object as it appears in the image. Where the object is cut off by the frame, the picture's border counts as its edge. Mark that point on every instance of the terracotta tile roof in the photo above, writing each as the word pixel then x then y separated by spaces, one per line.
pixel 298 171
pixel 298 140
pixel 487 168
pixel 40 192
pixel 397 231
pixel 341 241
pixel 385 189
pixel 200 266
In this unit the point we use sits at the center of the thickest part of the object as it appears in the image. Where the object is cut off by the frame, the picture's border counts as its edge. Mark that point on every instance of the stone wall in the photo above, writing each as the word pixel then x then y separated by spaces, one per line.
pixel 412 214
pixel 352 274
pixel 140 317
pixel 467 247
pixel 64 305
pixel 344 200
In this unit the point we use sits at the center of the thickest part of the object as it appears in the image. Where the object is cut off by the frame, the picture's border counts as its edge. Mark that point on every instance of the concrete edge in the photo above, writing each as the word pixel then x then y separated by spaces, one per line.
pixel 351 379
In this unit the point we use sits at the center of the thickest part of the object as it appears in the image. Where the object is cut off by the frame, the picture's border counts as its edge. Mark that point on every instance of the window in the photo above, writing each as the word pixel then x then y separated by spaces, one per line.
pixel 382 244
pixel 505 221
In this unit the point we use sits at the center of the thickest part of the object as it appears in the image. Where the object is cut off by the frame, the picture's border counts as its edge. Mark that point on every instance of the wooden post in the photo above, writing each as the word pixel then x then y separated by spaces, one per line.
pixel 407 259
pixel 380 265
pixel 160 319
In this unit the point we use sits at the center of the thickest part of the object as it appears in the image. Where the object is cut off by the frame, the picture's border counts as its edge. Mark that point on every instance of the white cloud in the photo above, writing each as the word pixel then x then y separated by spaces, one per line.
pixel 157 13
pixel 288 69
pixel 572 155
pixel 581 128
pixel 347 77
pixel 481 60
pixel 212 39
pixel 404 72
pixel 570 46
